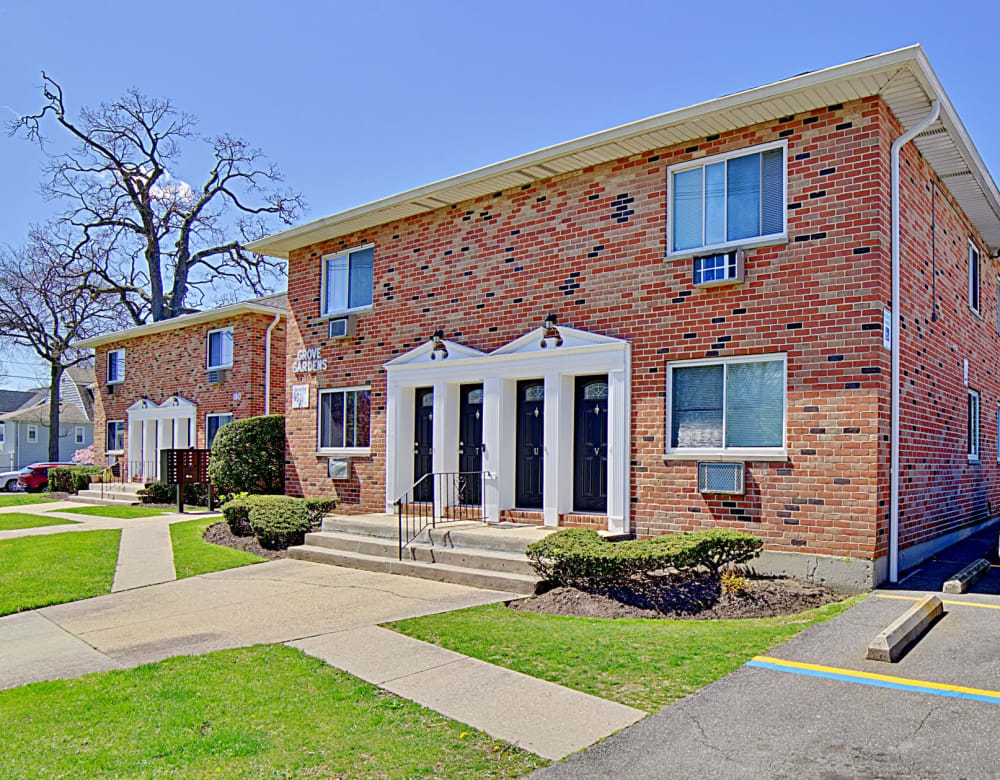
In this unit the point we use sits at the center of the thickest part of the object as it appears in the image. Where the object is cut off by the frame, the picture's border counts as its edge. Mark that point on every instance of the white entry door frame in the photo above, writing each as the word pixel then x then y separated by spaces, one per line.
pixel 153 427
pixel 532 356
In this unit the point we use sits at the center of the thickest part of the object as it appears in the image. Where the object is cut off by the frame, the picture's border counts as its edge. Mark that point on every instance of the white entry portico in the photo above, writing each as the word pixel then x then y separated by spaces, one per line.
pixel 153 427
pixel 557 358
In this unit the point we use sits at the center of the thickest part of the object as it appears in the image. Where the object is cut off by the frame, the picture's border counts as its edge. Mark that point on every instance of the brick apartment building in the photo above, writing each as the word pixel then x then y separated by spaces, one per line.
pixel 175 383
pixel 600 327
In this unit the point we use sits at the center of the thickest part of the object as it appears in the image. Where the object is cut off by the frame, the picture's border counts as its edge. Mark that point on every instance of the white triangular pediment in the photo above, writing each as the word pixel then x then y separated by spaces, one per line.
pixel 422 354
pixel 571 337
pixel 173 402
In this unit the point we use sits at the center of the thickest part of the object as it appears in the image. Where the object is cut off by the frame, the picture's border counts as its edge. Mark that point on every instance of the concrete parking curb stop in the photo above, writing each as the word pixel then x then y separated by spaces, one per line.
pixel 904 631
pixel 967 577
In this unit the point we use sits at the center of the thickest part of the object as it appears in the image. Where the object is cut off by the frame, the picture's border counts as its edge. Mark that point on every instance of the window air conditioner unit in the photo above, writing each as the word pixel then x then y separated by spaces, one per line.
pixel 341 327
pixel 217 375
pixel 718 269
pixel 724 478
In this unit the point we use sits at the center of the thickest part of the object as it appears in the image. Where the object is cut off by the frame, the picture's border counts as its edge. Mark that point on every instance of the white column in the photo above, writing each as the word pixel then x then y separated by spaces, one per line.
pixel 150 467
pixel 619 451
pixel 493 446
pixel 445 441
pixel 134 450
pixel 558 475
pixel 181 427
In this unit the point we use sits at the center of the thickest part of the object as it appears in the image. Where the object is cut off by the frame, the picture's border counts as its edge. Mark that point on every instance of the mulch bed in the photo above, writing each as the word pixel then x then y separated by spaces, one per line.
pixel 219 533
pixel 685 598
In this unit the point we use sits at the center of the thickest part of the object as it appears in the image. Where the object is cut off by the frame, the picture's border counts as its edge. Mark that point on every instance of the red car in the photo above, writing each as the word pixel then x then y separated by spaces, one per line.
pixel 36 476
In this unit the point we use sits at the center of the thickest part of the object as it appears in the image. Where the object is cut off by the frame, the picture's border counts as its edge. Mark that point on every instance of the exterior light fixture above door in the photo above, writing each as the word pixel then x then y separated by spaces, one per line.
pixel 438 350
pixel 551 332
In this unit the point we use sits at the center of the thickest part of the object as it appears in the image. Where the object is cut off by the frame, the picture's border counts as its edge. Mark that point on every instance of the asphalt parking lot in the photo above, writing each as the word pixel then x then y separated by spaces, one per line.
pixel 814 707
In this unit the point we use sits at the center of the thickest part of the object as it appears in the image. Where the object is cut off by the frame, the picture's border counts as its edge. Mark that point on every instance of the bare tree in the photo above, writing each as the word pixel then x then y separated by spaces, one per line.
pixel 163 245
pixel 47 303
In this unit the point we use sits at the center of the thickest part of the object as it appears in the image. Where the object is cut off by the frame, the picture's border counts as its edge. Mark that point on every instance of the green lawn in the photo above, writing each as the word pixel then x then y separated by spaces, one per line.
pixel 193 555
pixel 12 520
pixel 21 499
pixel 645 664
pixel 119 512
pixel 36 571
pixel 265 711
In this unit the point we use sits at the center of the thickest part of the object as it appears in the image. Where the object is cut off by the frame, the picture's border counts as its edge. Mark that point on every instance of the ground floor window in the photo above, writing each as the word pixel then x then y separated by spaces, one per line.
pixel 115 441
pixel 345 418
pixel 973 427
pixel 212 424
pixel 731 404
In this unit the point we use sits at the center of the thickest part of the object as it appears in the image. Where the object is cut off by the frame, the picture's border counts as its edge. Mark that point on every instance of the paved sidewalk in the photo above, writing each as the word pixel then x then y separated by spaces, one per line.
pixel 145 555
pixel 794 720
pixel 545 718
pixel 272 602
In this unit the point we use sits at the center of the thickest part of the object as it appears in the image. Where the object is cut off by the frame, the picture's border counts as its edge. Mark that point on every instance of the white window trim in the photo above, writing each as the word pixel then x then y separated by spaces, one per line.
pixel 746 243
pixel 79 437
pixel 31 435
pixel 979 279
pixel 106 450
pixel 974 454
pixel 340 451
pixel 121 363
pixel 322 284
pixel 208 349
pixel 737 453
pixel 216 414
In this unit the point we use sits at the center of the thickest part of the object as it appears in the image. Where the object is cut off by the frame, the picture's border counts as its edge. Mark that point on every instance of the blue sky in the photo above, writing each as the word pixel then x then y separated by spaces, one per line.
pixel 356 101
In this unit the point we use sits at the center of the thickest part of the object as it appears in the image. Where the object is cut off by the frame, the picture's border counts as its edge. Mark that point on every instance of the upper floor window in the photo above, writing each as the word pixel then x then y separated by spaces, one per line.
pixel 3 432
pixel 115 441
pixel 725 405
pixel 728 200
pixel 220 348
pixel 973 278
pixel 32 434
pixel 347 281
pixel 973 426
pixel 116 366
pixel 78 434
pixel 212 424
pixel 345 418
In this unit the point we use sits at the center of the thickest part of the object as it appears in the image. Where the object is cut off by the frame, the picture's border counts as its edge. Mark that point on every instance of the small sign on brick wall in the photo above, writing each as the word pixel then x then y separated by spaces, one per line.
pixel 300 396
pixel 887 328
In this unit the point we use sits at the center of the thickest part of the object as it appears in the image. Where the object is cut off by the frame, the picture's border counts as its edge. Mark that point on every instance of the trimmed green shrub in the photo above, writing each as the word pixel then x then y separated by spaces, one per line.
pixel 249 455
pixel 162 493
pixel 71 479
pixel 580 557
pixel 317 508
pixel 278 521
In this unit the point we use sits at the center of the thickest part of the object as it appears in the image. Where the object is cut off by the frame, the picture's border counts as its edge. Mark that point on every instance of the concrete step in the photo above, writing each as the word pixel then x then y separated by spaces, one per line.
pixel 466 557
pixel 80 498
pixel 109 493
pixel 476 578
pixel 499 537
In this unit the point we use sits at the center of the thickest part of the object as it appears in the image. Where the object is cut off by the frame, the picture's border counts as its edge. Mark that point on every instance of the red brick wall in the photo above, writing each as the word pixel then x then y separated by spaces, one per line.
pixel 590 246
pixel 160 365
pixel 941 490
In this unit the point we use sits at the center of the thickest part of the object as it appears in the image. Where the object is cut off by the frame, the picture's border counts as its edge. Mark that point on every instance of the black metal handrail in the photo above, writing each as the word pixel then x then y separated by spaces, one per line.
pixel 438 498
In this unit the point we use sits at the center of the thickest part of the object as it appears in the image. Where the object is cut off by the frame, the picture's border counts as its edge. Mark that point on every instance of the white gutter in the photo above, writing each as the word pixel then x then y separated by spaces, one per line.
pixel 267 363
pixel 898 144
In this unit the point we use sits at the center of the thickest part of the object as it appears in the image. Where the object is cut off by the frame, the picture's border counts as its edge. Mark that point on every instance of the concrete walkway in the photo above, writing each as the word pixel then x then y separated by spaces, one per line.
pixel 545 718
pixel 327 611
pixel 145 554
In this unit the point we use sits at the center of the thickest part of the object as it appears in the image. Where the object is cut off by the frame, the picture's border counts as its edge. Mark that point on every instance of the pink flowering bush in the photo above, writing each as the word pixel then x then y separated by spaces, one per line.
pixel 84 457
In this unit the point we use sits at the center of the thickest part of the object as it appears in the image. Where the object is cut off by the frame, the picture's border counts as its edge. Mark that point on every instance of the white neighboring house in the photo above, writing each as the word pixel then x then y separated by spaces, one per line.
pixel 24 422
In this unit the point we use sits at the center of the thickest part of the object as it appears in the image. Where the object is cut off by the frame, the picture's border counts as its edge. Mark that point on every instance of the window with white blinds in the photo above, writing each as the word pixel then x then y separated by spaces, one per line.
pixel 729 200
pixel 733 404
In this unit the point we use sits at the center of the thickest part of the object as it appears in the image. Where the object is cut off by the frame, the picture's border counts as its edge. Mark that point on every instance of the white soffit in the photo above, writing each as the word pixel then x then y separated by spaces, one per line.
pixel 903 78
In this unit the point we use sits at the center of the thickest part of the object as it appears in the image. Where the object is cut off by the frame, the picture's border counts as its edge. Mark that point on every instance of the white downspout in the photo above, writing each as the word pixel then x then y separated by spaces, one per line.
pixel 267 364
pixel 898 144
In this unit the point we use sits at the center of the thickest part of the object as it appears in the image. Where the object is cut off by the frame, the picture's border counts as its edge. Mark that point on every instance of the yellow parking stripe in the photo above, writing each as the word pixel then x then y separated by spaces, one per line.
pixel 943 601
pixel 882 678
